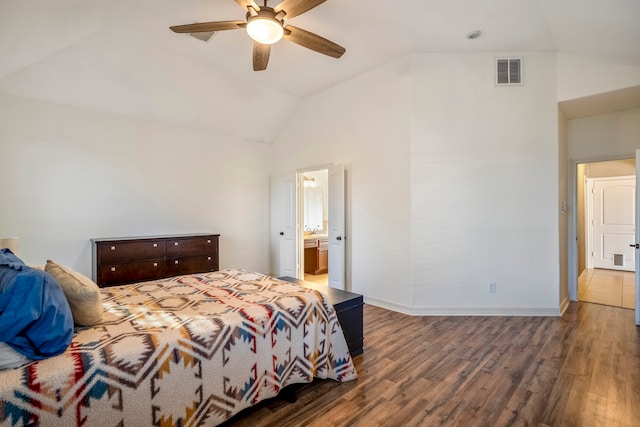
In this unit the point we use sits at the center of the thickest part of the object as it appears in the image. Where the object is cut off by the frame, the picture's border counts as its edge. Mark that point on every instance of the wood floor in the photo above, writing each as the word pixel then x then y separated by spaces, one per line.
pixel 609 287
pixel 579 370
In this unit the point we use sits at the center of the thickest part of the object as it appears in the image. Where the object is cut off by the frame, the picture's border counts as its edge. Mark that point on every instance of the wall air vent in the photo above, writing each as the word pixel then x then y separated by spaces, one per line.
pixel 508 71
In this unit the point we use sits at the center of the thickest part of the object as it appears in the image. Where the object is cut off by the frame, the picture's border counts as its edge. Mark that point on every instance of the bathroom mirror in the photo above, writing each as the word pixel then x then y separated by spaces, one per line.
pixel 313 209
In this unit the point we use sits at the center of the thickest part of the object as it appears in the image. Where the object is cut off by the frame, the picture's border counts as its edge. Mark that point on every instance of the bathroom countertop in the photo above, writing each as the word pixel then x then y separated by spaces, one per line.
pixel 316 236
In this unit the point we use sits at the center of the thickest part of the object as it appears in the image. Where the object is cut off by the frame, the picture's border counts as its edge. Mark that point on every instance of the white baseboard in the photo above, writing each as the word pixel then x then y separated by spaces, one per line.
pixel 388 305
pixel 564 305
pixel 466 311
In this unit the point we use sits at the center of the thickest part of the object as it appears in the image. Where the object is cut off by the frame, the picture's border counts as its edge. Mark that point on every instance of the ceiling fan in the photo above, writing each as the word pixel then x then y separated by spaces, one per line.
pixel 265 25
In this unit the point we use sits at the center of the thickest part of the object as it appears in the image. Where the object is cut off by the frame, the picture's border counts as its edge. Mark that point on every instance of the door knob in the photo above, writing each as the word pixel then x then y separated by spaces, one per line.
pixel 282 233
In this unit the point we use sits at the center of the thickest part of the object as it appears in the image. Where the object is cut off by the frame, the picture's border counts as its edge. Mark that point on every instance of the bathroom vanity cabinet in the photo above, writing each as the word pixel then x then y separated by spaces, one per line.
pixel 316 255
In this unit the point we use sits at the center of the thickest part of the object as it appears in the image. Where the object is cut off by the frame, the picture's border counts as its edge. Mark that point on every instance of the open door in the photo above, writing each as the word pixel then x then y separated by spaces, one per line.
pixel 336 227
pixel 637 239
pixel 285 213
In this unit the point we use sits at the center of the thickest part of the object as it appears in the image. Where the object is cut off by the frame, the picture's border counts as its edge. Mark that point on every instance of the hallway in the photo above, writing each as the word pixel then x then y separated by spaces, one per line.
pixel 607 287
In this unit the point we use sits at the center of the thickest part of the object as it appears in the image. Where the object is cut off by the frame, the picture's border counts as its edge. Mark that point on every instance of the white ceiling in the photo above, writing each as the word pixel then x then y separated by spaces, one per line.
pixel 119 56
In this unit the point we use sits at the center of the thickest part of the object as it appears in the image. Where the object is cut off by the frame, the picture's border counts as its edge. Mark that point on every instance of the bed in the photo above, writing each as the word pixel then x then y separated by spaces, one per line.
pixel 187 350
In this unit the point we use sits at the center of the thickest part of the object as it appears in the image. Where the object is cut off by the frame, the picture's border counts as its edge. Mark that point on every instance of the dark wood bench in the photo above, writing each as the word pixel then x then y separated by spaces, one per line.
pixel 348 306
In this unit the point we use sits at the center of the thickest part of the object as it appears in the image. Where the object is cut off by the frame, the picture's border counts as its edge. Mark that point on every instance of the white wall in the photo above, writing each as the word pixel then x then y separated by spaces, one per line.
pixel 453 182
pixel 605 136
pixel 606 169
pixel 484 162
pixel 363 124
pixel 578 76
pixel 70 175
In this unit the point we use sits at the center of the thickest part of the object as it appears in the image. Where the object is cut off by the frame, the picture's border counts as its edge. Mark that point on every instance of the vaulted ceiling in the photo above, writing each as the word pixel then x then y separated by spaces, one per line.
pixel 119 56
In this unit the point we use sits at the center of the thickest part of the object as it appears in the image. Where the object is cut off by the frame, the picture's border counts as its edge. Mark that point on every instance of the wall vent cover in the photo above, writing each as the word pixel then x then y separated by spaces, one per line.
pixel 508 71
pixel 618 260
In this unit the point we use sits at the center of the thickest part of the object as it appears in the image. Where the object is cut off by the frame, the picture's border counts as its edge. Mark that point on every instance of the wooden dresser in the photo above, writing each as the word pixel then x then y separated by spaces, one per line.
pixel 123 260
pixel 349 309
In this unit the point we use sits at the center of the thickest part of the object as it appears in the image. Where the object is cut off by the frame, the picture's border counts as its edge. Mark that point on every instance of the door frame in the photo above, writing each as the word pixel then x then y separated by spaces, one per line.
pixel 300 195
pixel 573 224
pixel 589 199
pixel 637 236
pixel 334 253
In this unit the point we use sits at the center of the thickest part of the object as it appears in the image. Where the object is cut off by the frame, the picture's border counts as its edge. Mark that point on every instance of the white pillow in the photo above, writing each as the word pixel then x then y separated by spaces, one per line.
pixel 9 358
pixel 82 293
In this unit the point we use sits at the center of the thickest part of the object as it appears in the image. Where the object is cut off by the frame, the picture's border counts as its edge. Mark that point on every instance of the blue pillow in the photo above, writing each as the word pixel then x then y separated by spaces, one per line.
pixel 35 318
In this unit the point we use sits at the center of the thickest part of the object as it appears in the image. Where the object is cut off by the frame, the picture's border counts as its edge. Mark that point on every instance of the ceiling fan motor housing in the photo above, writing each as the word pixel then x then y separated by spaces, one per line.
pixel 263 25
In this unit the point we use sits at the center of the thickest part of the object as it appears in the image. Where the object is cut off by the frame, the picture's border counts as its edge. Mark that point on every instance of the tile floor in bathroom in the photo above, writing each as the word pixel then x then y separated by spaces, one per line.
pixel 322 279
pixel 608 287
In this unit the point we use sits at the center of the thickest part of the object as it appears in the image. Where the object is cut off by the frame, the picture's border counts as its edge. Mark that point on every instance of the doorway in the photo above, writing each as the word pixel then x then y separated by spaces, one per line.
pixel 604 232
pixel 314 247
pixel 287 224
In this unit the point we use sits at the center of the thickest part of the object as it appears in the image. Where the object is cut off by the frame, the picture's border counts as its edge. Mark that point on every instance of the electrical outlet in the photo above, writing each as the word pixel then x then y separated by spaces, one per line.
pixel 492 287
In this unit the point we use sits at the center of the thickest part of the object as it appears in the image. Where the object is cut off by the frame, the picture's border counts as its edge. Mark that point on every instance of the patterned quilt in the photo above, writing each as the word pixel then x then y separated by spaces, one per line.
pixel 189 350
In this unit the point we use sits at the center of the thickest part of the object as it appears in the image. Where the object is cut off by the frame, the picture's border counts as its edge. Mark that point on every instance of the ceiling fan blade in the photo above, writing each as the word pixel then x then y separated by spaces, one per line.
pixel 248 3
pixel 208 26
pixel 313 41
pixel 296 7
pixel 260 56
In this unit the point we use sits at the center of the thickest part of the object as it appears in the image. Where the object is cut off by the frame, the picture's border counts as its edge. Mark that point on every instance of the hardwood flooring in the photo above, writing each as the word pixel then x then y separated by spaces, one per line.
pixel 579 370
pixel 609 287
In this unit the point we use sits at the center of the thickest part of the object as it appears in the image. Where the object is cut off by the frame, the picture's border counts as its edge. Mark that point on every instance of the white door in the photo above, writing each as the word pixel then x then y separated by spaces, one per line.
pixel 285 215
pixel 637 269
pixel 336 227
pixel 614 223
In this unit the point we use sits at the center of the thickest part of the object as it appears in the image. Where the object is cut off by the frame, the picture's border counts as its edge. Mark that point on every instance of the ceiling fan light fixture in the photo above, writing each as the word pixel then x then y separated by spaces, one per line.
pixel 264 29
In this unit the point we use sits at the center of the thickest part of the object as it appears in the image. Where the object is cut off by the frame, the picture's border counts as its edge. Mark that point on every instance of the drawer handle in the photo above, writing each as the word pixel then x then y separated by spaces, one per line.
pixel 155 245
pixel 208 258
pixel 155 264
pixel 176 243
pixel 176 261
pixel 113 269
pixel 208 241
pixel 113 248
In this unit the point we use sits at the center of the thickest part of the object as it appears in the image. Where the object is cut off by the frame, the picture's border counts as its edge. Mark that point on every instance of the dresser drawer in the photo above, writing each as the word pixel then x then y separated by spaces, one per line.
pixel 131 272
pixel 177 248
pixel 114 252
pixel 196 264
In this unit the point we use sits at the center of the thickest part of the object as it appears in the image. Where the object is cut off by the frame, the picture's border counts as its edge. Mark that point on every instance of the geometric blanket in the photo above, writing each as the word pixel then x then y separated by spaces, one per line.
pixel 183 351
